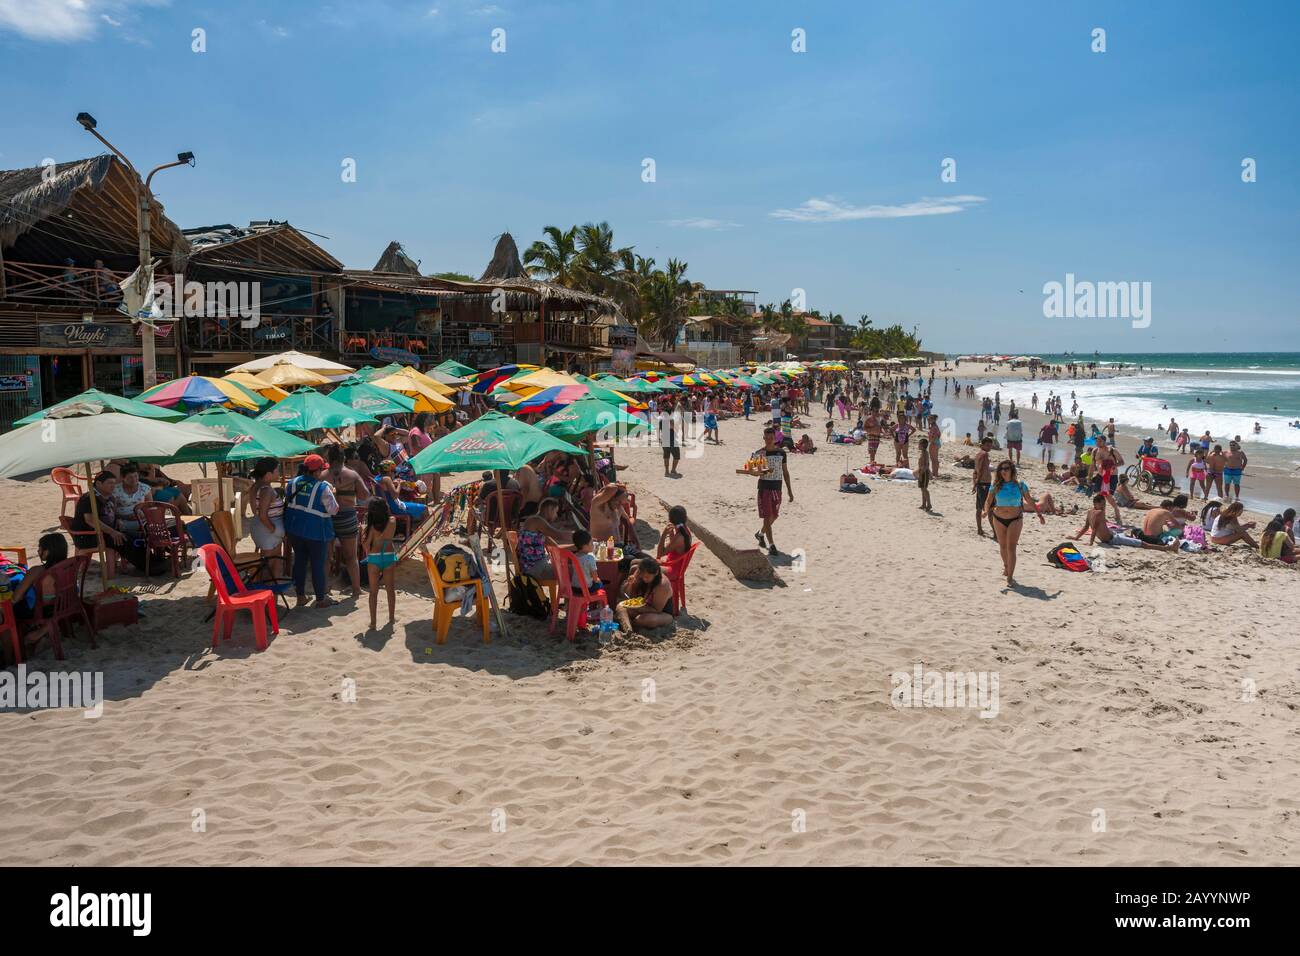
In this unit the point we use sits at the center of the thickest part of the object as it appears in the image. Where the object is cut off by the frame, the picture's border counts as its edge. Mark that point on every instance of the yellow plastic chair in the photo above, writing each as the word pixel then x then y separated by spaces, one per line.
pixel 443 609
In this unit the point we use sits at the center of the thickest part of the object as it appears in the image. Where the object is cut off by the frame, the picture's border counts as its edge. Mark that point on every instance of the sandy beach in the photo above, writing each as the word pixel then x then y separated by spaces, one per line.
pixel 761 732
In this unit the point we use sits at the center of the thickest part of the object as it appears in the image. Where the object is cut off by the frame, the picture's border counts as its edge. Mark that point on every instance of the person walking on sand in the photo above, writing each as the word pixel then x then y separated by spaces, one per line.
pixel 1015 434
pixel 923 472
pixel 1005 507
pixel 981 481
pixel 934 434
pixel 769 487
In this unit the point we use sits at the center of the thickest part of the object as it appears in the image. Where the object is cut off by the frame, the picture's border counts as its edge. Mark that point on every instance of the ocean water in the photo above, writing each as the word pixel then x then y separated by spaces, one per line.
pixel 1225 393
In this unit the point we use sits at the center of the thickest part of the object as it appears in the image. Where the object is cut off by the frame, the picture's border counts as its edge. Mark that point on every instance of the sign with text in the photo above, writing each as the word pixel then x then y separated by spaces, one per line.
pixel 87 335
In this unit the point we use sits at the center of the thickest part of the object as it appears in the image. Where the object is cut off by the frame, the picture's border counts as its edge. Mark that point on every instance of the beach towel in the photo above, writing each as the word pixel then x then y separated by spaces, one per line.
pixel 1068 558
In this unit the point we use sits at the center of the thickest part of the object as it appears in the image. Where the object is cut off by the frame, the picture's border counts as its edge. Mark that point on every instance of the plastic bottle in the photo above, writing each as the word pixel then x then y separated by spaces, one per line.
pixel 607 625
pixel 609 547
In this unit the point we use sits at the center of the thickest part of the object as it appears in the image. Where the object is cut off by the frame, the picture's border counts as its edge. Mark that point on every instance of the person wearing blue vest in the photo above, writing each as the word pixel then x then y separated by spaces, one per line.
pixel 309 510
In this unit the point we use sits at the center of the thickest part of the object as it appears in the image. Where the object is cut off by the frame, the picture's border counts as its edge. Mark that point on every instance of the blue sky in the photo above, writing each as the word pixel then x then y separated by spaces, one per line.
pixel 775 170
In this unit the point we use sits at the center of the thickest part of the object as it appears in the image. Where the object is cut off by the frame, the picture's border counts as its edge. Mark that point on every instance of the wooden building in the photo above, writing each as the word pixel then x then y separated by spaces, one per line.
pixel 68 238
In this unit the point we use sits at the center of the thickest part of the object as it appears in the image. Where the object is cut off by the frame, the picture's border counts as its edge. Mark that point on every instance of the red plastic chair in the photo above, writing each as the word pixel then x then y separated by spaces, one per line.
pixel 9 631
pixel 162 535
pixel 233 597
pixel 66 609
pixel 577 601
pixel 674 569
pixel 67 481
pixel 513 501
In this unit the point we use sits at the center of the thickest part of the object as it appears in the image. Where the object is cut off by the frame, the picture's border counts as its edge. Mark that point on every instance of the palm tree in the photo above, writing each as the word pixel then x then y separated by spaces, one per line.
pixel 767 317
pixel 554 260
pixel 666 302
pixel 597 266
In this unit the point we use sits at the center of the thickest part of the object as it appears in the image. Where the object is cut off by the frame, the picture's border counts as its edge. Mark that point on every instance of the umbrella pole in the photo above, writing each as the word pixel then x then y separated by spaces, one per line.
pixel 501 513
pixel 99 532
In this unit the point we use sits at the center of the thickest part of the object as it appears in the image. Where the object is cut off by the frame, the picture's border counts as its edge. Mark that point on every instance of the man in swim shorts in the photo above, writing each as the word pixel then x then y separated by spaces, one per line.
pixel 1234 463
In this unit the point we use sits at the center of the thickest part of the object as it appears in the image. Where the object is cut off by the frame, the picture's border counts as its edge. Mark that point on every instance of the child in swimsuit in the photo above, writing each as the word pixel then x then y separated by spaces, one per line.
pixel 381 559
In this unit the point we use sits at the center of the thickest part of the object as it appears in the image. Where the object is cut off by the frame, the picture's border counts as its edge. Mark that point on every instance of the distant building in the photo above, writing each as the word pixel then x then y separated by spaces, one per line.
pixel 746 297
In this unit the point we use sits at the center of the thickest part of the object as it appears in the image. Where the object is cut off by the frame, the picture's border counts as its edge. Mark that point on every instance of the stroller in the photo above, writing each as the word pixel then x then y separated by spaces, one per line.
pixel 1152 475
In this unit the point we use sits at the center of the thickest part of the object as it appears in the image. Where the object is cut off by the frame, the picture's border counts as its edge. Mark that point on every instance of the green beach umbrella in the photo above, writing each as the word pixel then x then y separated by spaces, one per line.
pixel 109 403
pixel 307 410
pixel 605 391
pixel 452 367
pixel 492 442
pixel 589 414
pixel 252 439
pixel 370 373
pixel 371 399
pixel 629 386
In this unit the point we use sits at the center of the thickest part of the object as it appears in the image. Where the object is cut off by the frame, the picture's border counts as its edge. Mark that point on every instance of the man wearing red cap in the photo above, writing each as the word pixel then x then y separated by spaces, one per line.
pixel 309 511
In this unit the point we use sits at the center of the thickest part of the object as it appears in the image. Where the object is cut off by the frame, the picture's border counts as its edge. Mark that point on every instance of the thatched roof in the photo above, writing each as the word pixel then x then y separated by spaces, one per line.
pixel 395 259
pixel 83 210
pixel 506 271
pixel 505 262
pixel 262 242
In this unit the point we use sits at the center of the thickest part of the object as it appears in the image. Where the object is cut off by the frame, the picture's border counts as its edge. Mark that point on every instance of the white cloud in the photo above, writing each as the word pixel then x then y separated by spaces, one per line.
pixel 698 223
pixel 64 21
pixel 490 10
pixel 832 209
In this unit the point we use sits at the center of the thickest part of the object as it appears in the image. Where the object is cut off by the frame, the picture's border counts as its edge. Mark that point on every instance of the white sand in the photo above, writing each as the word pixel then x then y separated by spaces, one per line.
pixel 1119 691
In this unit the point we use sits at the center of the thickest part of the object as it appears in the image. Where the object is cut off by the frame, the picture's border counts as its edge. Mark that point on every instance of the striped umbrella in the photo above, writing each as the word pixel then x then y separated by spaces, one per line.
pixel 485 382
pixel 195 392
pixel 547 400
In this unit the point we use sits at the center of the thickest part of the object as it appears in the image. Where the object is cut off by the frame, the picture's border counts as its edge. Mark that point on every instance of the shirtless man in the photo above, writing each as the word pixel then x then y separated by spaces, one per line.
pixel 1157 520
pixel 530 484
pixel 351 492
pixel 1216 460
pixel 1233 465
pixel 981 481
pixel 609 507
pixel 1095 522
pixel 871 425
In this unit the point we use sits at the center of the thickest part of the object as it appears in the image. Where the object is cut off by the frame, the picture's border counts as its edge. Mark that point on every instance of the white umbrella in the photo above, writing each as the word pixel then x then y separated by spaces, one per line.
pixel 86 432
pixel 312 363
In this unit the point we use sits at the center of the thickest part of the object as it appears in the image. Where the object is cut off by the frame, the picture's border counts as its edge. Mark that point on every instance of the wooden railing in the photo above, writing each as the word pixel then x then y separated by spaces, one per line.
pixel 269 333
pixel 62 285
pixel 559 333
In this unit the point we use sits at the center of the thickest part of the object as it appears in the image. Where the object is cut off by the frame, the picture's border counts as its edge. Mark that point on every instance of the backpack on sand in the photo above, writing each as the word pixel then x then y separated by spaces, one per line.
pixel 1068 558
pixel 528 598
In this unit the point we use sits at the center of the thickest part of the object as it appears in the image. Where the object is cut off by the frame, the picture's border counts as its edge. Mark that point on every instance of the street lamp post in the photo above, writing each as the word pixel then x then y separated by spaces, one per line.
pixel 144 198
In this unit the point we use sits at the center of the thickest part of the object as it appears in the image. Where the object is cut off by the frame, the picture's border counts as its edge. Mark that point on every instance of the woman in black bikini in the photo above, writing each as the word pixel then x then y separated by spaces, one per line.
pixel 1005 507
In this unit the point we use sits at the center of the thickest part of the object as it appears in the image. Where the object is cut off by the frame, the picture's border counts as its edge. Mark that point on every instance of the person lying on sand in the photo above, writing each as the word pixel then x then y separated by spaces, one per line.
pixel 1095 524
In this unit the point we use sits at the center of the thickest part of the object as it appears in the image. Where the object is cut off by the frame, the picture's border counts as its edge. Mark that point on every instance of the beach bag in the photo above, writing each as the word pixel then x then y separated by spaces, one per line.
pixel 1068 558
pixel 454 564
pixel 528 598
